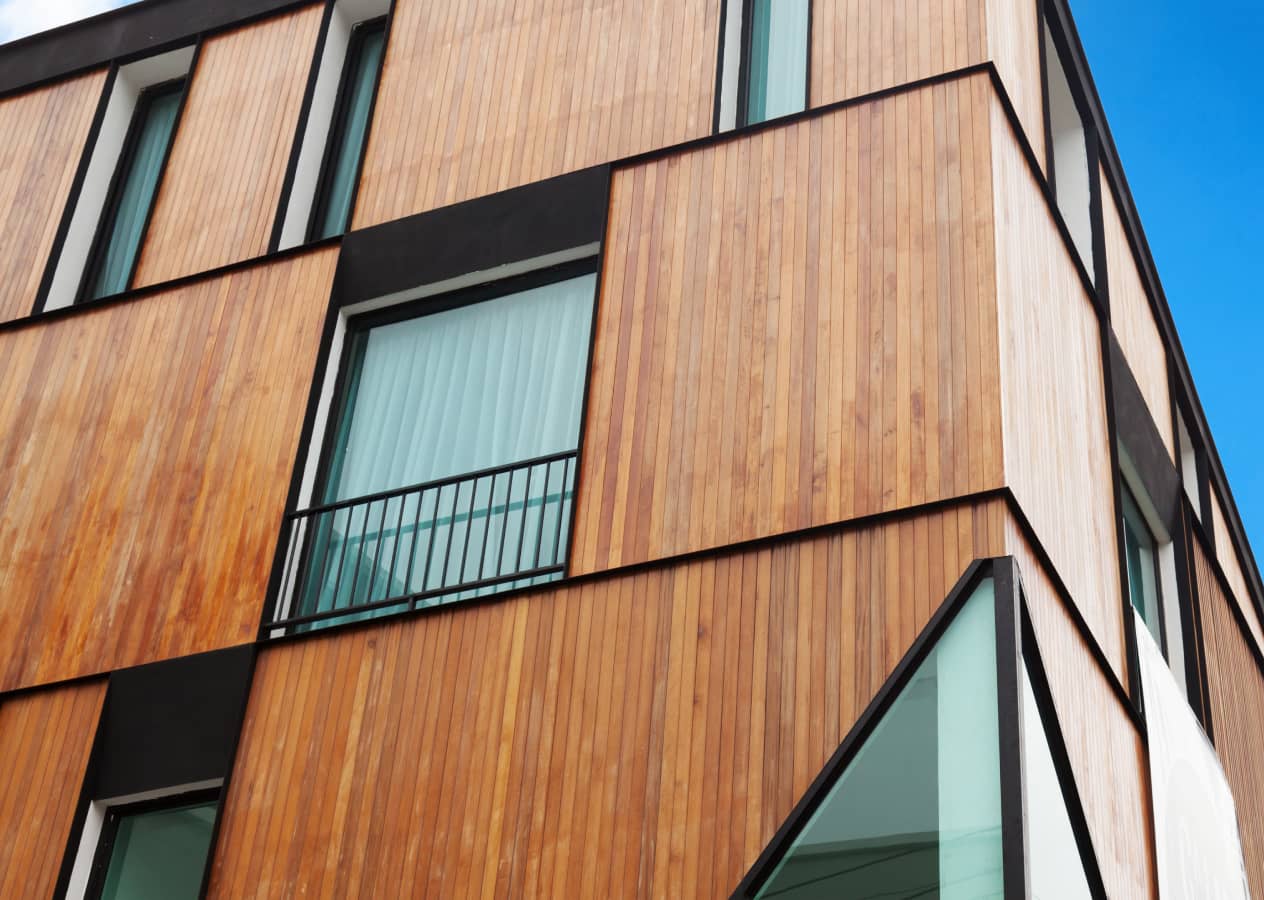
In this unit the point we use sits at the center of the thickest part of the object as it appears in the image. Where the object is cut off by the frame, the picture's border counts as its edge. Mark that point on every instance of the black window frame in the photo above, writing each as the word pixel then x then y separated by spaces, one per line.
pixel 360 34
pixel 114 815
pixel 114 195
pixel 1128 497
pixel 743 117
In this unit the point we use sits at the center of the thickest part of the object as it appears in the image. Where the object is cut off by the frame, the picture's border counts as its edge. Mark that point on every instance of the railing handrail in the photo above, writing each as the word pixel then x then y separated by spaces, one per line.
pixel 437 484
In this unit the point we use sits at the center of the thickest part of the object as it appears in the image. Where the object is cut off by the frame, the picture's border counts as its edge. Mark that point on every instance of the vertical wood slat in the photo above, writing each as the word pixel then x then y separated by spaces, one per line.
pixel 45 740
pixel 861 46
pixel 1231 565
pixel 795 328
pixel 223 181
pixel 1105 749
pixel 1133 322
pixel 478 96
pixel 1057 449
pixel 145 453
pixel 45 132
pixel 1236 689
pixel 595 739
pixel 1014 46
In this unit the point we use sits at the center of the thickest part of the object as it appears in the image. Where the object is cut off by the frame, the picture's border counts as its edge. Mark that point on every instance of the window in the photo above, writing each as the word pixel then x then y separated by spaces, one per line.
pixel 107 220
pixel 330 147
pixel 450 468
pixel 154 850
pixel 765 64
pixel 1069 166
pixel 1189 465
pixel 122 227
pixel 1139 556
pixel 332 209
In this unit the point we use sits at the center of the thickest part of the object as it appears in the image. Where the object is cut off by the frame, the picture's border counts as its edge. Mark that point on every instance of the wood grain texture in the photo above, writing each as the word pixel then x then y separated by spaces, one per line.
pixel 1014 41
pixel 45 132
pixel 145 453
pixel 1236 689
pixel 45 741
pixel 1105 749
pixel 1057 447
pixel 1133 322
pixel 795 328
pixel 860 46
pixel 478 96
pixel 641 735
pixel 220 191
pixel 1231 564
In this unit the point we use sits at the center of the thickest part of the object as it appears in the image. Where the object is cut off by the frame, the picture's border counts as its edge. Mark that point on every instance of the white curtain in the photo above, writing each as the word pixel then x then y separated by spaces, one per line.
pixel 480 386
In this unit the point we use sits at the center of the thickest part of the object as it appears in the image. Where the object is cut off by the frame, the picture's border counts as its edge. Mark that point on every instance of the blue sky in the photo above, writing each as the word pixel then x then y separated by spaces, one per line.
pixel 1181 86
pixel 1186 105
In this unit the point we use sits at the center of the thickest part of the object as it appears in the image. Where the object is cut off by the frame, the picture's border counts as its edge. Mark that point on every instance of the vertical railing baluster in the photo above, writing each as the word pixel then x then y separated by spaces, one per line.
pixel 561 511
pixel 544 505
pixel 434 530
pixel 399 531
pixel 522 530
pixel 377 550
pixel 504 527
pixel 342 560
pixel 469 531
pixel 491 508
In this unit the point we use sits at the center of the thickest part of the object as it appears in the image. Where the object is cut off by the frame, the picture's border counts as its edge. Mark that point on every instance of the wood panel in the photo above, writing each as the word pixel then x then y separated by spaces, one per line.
pixel 482 95
pixel 1014 41
pixel 1231 564
pixel 45 741
pixel 1236 688
pixel 1105 749
pixel 640 735
pixel 859 46
pixel 145 453
pixel 1133 322
pixel 1057 447
pixel 223 181
pixel 45 133
pixel 795 328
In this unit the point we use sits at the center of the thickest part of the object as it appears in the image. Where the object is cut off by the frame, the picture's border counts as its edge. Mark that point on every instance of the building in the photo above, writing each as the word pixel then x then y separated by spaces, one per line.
pixel 583 448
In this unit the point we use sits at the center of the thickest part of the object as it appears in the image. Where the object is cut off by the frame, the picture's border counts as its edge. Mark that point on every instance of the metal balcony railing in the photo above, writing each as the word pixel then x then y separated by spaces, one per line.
pixel 438 542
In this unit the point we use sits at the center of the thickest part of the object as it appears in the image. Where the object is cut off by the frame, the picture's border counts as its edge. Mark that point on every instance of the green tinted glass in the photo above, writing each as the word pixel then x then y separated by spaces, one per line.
pixel 777 82
pixel 160 854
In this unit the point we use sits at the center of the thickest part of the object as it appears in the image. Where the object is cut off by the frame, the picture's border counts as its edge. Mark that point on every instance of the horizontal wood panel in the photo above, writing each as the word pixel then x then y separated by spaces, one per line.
pixel 45 741
pixel 795 328
pixel 1133 322
pixel 1057 446
pixel 1236 689
pixel 145 453
pixel 482 95
pixel 1105 749
pixel 223 181
pixel 859 46
pixel 45 132
pixel 642 735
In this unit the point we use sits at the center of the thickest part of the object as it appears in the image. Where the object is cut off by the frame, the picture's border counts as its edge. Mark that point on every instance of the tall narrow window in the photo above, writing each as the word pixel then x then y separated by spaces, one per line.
pixel 122 225
pixel 155 850
pixel 776 59
pixel 1069 166
pixel 1139 551
pixel 331 211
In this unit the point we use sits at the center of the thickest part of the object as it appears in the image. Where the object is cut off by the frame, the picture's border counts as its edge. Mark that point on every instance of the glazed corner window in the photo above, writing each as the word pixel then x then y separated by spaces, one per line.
pixel 331 210
pixel 1069 168
pixel 122 227
pixel 777 54
pixel 1140 550
pixel 154 850
pixel 450 469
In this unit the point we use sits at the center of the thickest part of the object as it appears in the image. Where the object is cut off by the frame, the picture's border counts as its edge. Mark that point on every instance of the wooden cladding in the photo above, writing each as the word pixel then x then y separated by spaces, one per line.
pixel 1231 565
pixel 1236 687
pixel 1133 321
pixel 482 95
pixel 1014 40
pixel 45 741
pixel 44 131
pixel 145 452
pixel 641 735
pixel 860 46
pixel 1105 748
pixel 795 327
pixel 1057 445
pixel 223 182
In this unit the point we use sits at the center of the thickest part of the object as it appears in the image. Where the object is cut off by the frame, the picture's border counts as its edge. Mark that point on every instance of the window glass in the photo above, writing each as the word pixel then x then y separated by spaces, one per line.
pixel 1055 869
pixel 917 813
pixel 1139 551
pixel 777 83
pixel 159 854
pixel 1070 165
pixel 346 139
pixel 123 225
